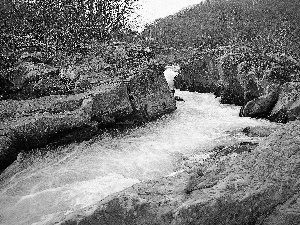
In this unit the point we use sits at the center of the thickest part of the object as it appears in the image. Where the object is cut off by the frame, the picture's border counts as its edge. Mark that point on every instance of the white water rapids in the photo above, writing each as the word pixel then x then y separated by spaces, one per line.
pixel 80 174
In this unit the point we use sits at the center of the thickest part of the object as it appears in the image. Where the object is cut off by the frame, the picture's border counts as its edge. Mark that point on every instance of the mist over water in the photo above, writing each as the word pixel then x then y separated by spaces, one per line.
pixel 51 185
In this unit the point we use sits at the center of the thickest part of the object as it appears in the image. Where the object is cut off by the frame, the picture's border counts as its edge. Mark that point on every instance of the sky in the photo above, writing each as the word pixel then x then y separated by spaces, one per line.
pixel 154 9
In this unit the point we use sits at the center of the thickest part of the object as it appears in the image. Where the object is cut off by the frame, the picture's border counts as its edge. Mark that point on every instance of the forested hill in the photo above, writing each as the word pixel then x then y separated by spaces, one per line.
pixel 269 24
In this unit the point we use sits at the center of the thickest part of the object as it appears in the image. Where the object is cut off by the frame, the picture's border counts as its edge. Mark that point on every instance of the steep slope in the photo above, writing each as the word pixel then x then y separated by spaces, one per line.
pixel 271 24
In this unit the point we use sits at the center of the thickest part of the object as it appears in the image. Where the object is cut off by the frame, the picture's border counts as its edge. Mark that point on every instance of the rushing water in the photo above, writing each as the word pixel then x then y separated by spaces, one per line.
pixel 78 175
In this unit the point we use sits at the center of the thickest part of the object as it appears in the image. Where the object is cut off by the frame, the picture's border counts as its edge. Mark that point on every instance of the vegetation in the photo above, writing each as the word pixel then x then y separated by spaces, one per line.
pixel 261 37
pixel 50 46
pixel 63 23
pixel 52 26
pixel 254 43
pixel 269 24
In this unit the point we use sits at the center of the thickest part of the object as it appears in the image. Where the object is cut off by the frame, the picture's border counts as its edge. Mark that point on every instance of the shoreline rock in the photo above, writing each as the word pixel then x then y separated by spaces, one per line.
pixel 287 107
pixel 28 124
pixel 200 74
pixel 265 85
pixel 260 107
pixel 281 105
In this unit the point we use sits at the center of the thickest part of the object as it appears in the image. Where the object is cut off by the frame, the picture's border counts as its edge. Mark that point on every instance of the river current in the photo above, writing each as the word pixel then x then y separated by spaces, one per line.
pixel 44 186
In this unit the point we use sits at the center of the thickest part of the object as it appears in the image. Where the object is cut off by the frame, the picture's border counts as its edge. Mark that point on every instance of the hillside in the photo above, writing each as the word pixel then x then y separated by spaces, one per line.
pixel 243 51
pixel 263 24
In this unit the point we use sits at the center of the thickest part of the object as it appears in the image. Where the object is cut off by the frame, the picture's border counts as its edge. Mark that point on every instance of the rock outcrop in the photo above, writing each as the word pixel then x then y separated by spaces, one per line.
pixel 28 124
pixel 57 97
pixel 256 187
pixel 287 107
pixel 232 91
pixel 260 107
pixel 27 71
pixel 219 71
pixel 259 131
pixel 200 75
pixel 282 104
pixel 149 96
pixel 269 84
pixel 245 77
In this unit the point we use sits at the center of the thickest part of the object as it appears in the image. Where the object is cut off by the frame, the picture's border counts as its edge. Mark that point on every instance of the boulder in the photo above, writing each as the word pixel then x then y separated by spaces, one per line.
pixel 232 91
pixel 30 80
pixel 89 73
pixel 287 107
pixel 32 76
pixel 246 75
pixel 200 74
pixel 4 85
pixel 259 131
pixel 29 71
pixel 110 102
pixel 33 56
pixel 149 95
pixel 261 106
pixel 251 90
pixel 248 78
pixel 257 187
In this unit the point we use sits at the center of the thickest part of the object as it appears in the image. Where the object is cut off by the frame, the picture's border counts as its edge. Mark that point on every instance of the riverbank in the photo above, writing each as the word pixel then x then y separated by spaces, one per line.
pixel 45 104
pixel 265 85
pixel 256 186
pixel 246 52
pixel 47 184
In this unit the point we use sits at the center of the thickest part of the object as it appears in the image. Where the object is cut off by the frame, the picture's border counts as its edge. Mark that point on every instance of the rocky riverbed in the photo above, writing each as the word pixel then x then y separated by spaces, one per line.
pixel 256 185
pixel 46 185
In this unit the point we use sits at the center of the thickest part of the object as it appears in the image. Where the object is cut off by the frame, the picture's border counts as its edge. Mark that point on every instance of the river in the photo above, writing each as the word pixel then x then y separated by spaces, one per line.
pixel 48 185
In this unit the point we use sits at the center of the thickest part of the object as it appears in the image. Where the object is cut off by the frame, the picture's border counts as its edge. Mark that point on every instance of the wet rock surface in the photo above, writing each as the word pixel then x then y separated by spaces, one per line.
pixel 27 124
pixel 260 107
pixel 237 148
pixel 259 131
pixel 266 86
pixel 287 107
pixel 200 75
pixel 260 186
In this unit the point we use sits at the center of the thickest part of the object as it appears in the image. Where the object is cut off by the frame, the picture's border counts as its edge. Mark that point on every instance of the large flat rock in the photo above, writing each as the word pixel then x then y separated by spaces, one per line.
pixel 32 123
pixel 28 124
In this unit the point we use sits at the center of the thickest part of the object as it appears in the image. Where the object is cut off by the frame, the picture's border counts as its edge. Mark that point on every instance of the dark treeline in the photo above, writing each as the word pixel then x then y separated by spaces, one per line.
pixel 271 25
pixel 60 23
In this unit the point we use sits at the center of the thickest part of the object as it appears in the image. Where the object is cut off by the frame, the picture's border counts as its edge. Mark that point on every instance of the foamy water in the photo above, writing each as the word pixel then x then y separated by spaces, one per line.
pixel 79 175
